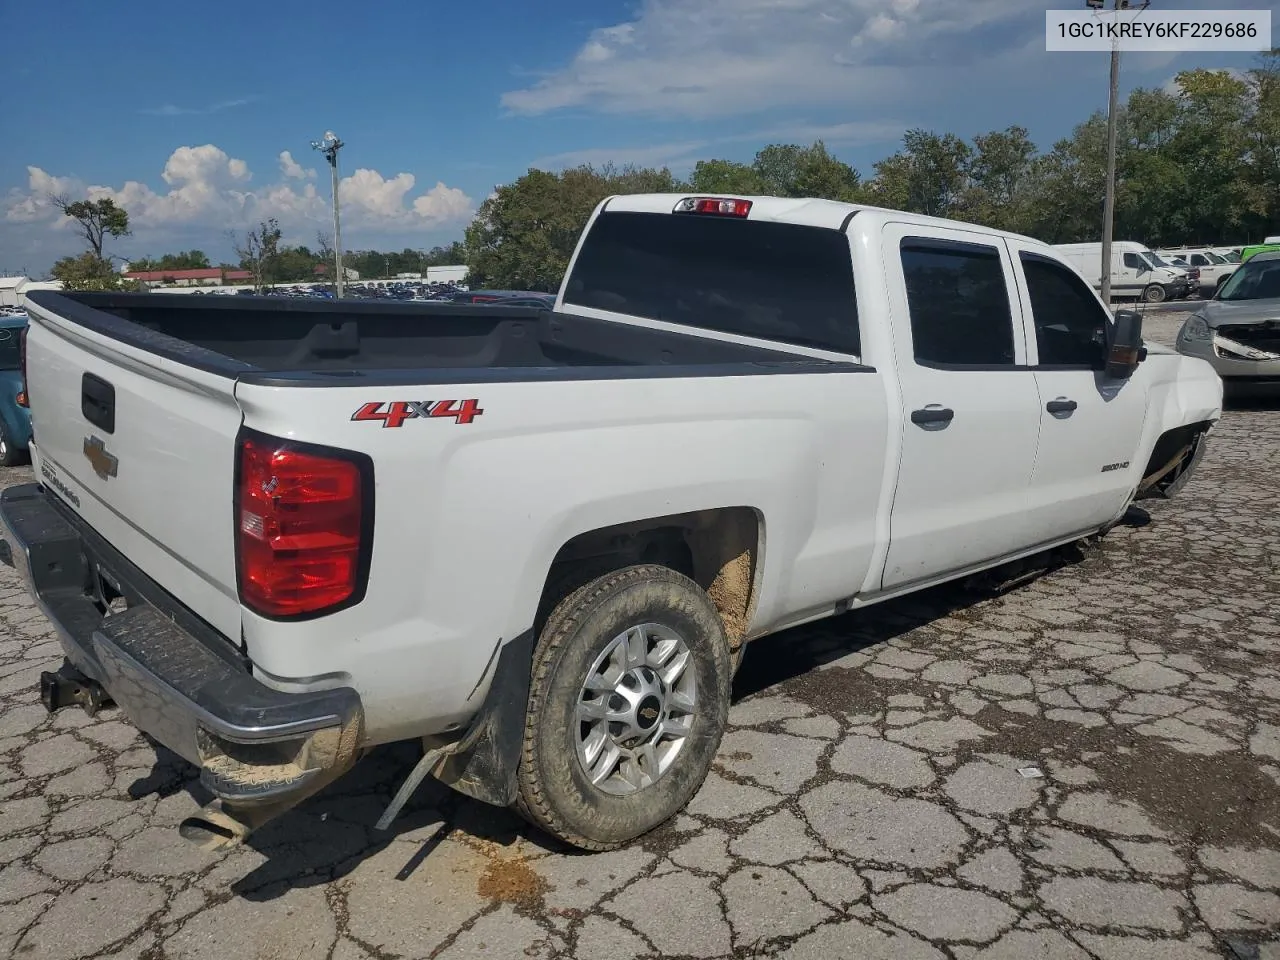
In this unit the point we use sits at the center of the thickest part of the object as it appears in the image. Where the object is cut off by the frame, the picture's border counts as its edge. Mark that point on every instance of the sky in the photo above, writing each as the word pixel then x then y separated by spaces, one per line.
pixel 200 120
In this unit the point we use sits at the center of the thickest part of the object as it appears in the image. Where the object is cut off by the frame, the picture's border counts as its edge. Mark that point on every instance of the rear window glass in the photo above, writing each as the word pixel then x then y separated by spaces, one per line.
pixel 776 281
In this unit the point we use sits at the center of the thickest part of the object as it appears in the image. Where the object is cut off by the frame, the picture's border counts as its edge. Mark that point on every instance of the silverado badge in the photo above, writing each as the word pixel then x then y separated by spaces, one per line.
pixel 103 463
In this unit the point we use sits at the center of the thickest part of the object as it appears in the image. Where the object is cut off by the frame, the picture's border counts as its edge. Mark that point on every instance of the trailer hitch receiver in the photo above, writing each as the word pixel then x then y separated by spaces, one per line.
pixel 68 686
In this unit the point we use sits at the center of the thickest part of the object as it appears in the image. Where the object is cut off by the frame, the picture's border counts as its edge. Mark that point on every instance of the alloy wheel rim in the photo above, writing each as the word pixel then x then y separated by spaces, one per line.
pixel 635 709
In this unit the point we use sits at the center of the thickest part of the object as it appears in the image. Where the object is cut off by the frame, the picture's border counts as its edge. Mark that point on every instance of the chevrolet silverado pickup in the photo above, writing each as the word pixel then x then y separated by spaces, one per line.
pixel 536 541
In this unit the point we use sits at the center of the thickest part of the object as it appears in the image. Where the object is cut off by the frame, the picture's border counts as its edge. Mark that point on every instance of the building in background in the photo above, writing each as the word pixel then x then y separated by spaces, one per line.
pixel 454 274
pixel 14 290
pixel 207 277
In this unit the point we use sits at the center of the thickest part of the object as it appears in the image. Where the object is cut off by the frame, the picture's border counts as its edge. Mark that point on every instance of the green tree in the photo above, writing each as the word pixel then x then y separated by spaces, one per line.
pixel 929 175
pixel 1068 185
pixel 1000 173
pixel 1209 149
pixel 95 219
pixel 182 260
pixel 185 260
pixel 522 236
pixel 726 176
pixel 294 264
pixel 88 272
pixel 1262 131
pixel 790 170
pixel 258 250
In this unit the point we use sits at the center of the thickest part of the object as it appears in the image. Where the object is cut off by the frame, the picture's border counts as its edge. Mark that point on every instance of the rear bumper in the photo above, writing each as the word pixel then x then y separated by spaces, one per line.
pixel 171 673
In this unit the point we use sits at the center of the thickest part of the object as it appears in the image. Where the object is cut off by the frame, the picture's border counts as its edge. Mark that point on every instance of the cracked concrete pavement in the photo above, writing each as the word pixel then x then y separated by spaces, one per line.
pixel 1087 766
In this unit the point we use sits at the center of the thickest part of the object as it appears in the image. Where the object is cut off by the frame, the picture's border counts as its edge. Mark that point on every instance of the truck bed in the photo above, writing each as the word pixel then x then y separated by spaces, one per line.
pixel 267 339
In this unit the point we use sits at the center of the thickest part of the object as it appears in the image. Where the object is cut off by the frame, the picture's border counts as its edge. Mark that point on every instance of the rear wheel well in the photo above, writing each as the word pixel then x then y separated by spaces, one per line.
pixel 717 549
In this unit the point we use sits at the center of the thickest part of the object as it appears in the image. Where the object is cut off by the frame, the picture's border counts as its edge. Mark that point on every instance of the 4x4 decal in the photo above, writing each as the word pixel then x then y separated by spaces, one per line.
pixel 398 411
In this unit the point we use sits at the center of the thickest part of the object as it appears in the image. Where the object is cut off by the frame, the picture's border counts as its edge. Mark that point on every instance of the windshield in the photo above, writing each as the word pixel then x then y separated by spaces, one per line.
pixel 1232 257
pixel 1215 258
pixel 1255 280
pixel 1152 259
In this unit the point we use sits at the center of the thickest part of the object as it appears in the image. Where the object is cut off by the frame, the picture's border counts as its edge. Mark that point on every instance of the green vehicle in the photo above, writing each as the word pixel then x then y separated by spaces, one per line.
pixel 1248 252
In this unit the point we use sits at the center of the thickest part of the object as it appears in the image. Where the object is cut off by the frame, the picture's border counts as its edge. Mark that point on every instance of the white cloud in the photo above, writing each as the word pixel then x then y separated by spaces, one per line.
pixel 33 204
pixel 724 57
pixel 173 110
pixel 292 169
pixel 205 189
pixel 443 204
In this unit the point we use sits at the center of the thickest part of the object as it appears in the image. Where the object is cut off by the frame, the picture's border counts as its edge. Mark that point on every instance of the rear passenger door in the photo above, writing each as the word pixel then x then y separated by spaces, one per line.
pixel 971 413
pixel 1090 425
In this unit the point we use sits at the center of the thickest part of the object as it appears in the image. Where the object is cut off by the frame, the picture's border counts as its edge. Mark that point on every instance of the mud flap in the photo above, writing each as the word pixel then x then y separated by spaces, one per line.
pixel 485 762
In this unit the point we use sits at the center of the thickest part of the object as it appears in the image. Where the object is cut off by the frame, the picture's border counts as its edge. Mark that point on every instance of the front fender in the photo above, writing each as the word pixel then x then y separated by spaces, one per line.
pixel 1183 390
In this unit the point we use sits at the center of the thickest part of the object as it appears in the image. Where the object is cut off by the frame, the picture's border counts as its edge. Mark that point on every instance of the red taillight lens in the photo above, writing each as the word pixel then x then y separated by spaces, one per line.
pixel 714 206
pixel 300 527
pixel 22 367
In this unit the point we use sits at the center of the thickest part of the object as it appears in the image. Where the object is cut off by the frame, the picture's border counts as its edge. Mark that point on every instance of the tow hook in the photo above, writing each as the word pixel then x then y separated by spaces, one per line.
pixel 69 686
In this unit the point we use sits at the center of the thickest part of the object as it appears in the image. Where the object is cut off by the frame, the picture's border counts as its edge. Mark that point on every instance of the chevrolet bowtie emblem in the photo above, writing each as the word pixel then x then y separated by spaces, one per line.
pixel 103 463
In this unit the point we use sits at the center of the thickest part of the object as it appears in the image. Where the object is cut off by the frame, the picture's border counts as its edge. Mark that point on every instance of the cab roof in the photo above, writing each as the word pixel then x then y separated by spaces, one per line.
pixel 802 211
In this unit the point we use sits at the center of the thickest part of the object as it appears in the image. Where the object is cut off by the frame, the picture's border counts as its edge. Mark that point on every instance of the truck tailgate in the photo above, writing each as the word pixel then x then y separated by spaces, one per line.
pixel 142 448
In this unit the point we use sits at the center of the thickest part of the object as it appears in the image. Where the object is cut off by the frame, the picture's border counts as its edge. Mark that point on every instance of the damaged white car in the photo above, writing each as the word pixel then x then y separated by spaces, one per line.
pixel 1238 331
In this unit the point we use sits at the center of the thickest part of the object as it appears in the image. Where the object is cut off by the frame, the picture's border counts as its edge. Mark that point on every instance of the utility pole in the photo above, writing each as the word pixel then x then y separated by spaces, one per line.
pixel 329 146
pixel 1109 205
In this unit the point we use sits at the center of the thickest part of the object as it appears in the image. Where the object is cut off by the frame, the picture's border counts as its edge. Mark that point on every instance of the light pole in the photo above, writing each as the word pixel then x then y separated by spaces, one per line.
pixel 329 145
pixel 1109 205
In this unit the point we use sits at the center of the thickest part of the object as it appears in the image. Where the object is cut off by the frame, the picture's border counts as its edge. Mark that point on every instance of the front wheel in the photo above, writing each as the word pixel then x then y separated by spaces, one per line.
pixel 628 700
pixel 1154 294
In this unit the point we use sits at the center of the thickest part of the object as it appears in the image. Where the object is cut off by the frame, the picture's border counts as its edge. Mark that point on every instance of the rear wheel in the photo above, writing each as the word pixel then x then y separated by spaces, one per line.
pixel 627 704
pixel 1154 294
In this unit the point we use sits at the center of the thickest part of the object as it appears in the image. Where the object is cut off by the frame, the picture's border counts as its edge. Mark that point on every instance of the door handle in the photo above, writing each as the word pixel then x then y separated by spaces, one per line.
pixel 1061 405
pixel 932 415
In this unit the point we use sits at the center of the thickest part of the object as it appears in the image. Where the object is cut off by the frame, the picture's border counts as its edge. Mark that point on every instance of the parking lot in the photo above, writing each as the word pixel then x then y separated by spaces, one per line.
pixel 1086 766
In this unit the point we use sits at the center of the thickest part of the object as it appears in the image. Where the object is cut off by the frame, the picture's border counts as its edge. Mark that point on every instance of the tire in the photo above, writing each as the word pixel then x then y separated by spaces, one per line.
pixel 583 634
pixel 9 455
pixel 1154 294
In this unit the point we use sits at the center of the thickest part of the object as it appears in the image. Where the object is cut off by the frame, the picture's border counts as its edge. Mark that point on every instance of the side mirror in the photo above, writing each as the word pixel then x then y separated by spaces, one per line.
pixel 1124 345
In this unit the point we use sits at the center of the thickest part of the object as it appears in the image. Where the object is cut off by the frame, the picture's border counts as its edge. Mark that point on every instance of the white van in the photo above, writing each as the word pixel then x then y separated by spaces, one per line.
pixel 1135 270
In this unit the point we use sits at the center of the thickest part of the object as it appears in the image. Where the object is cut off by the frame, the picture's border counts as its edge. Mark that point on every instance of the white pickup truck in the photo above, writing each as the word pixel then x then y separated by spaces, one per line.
pixel 278 532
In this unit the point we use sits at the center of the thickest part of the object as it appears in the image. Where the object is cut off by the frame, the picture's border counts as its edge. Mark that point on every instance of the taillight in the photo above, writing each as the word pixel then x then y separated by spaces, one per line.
pixel 303 527
pixel 714 206
pixel 22 367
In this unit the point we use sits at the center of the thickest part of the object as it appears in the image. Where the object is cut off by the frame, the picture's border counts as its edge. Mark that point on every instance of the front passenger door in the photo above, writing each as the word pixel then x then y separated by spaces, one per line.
pixel 1090 426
